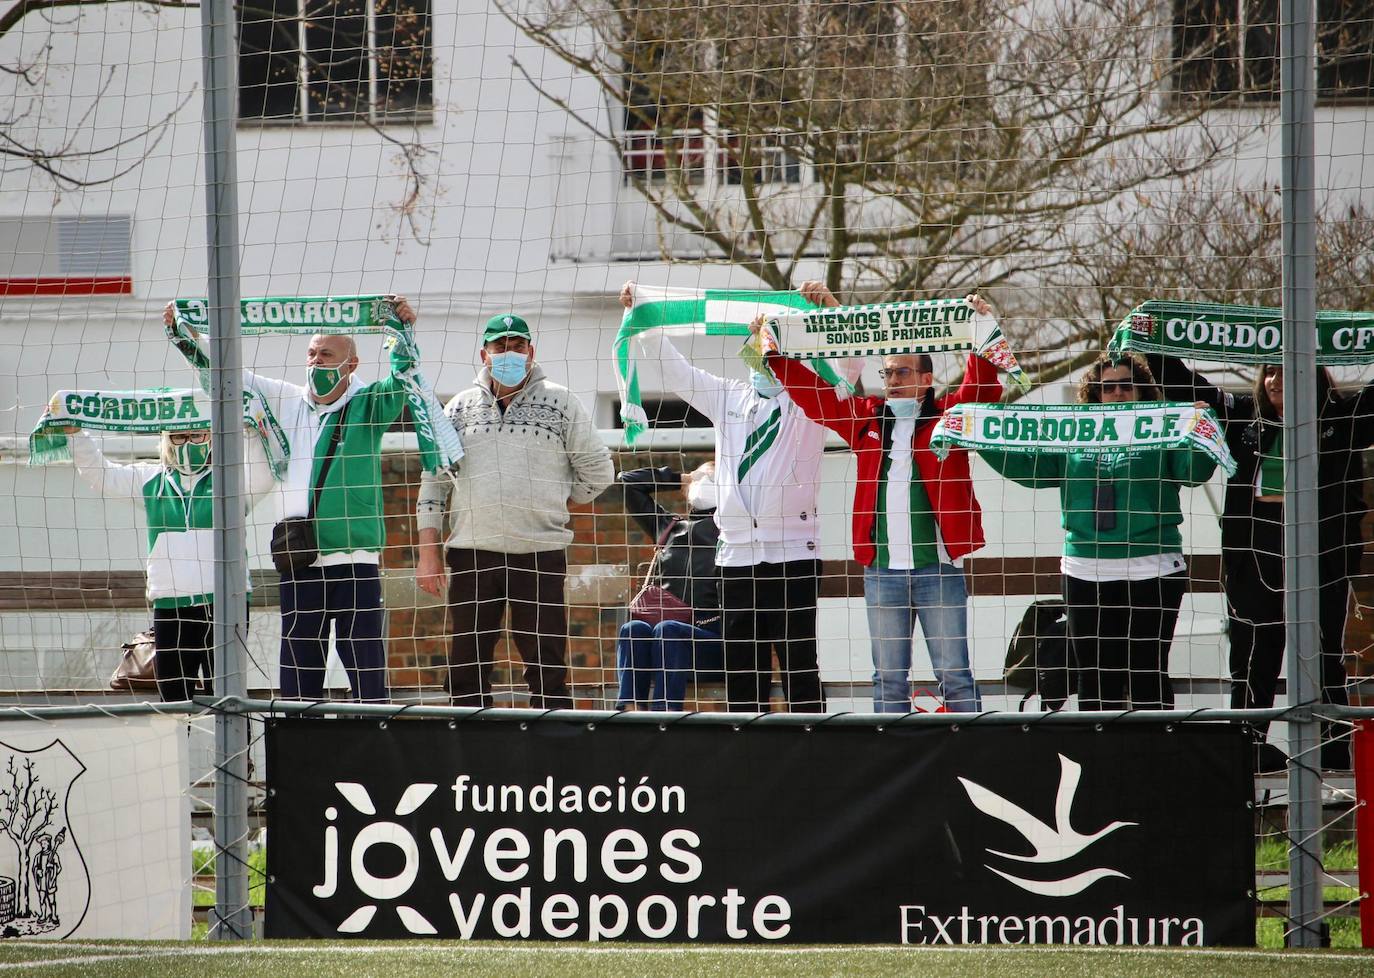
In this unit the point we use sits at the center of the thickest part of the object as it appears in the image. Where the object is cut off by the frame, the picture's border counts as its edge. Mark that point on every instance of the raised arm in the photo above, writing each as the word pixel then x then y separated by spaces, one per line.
pixel 258 479
pixel 1179 382
pixel 704 391
pixel 275 390
pixel 980 385
pixel 640 505
pixel 1040 470
pixel 1190 466
pixel 817 399
pixel 389 394
pixel 103 476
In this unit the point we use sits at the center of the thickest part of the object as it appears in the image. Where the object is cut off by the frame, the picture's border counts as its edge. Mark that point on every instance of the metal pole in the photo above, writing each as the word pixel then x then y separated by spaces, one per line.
pixel 1297 73
pixel 232 919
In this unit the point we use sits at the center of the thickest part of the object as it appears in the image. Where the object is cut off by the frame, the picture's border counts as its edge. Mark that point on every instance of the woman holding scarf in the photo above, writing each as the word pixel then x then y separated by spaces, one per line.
pixel 177 493
pixel 1123 570
pixel 1252 530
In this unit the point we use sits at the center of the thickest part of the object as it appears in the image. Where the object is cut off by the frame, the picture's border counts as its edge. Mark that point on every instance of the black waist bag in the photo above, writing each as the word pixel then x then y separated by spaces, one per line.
pixel 294 544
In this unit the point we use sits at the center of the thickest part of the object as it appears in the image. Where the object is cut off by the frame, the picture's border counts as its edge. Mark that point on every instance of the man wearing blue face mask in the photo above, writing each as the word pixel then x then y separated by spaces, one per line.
pixel 768 460
pixel 530 450
pixel 915 515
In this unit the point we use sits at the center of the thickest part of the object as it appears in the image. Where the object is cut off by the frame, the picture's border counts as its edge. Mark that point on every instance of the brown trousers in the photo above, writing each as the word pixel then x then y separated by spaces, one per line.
pixel 481 584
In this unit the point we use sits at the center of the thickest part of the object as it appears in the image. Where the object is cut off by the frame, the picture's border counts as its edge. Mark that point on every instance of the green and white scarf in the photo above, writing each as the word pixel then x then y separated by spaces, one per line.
pixel 1081 428
pixel 1238 334
pixel 440 446
pixel 710 312
pixel 924 326
pixel 142 412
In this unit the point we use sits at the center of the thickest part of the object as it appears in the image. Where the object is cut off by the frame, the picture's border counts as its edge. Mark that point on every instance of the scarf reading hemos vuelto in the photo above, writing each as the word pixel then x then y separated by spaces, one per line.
pixel 923 326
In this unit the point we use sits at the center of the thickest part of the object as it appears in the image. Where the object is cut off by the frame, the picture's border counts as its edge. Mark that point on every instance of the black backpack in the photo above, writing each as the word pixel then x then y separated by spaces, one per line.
pixel 1038 658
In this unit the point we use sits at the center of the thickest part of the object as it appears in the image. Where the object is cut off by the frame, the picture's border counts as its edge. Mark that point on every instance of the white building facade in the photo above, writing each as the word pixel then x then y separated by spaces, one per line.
pixel 519 210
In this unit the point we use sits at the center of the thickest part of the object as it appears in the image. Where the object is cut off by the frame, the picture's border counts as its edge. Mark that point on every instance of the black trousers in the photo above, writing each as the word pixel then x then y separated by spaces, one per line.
pixel 481 585
pixel 184 639
pixel 1254 609
pixel 1120 633
pixel 767 609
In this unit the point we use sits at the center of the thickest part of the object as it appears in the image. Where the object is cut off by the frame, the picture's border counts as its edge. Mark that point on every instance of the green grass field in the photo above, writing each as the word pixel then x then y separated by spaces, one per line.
pixel 445 960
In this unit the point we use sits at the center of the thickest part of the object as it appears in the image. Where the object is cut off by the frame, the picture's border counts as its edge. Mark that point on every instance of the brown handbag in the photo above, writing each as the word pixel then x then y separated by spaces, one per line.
pixel 137 669
pixel 655 603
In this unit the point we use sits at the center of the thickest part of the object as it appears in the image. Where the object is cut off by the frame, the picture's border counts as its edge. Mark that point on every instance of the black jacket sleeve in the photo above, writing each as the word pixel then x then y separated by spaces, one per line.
pixel 639 486
pixel 1181 383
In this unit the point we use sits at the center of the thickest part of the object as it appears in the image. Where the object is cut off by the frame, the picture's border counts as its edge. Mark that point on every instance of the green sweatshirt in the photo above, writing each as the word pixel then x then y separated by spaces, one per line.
pixel 349 516
pixel 1141 487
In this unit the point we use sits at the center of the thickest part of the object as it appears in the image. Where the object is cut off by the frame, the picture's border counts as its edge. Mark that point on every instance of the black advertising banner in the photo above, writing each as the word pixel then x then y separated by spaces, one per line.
pixel 1132 834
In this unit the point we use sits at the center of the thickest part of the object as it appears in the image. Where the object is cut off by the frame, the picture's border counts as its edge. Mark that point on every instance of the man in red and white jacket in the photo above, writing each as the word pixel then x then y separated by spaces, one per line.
pixel 915 515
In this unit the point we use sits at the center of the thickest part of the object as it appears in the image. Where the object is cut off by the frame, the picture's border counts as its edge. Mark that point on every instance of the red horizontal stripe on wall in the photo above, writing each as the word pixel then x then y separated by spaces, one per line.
pixel 68 285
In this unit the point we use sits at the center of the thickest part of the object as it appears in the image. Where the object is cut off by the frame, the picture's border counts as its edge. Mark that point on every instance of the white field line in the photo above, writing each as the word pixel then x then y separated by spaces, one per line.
pixel 143 952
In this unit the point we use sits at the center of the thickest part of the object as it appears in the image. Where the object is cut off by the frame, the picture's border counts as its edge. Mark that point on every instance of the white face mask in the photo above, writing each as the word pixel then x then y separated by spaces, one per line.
pixel 701 494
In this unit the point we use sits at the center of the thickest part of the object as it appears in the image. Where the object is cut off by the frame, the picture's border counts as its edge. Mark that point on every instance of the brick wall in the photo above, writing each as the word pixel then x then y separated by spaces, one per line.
pixel 603 535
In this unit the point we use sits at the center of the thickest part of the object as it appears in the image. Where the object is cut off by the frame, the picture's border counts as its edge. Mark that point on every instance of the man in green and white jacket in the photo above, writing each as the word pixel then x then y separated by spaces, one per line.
pixel 343 586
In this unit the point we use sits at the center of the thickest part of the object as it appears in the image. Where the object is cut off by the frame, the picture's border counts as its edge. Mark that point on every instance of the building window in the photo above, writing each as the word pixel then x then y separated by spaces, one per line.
pixel 335 60
pixel 1230 49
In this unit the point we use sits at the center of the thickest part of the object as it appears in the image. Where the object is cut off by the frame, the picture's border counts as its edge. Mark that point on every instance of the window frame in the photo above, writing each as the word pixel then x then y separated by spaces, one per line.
pixel 307 71
pixel 1242 65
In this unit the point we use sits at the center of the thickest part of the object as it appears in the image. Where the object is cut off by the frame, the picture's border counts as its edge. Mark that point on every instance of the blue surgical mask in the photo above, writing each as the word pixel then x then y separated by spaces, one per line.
pixel 508 369
pixel 765 385
pixel 904 407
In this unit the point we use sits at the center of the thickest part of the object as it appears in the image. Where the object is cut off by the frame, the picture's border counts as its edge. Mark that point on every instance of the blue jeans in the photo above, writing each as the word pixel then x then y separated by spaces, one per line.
pixel 896 599
pixel 663 657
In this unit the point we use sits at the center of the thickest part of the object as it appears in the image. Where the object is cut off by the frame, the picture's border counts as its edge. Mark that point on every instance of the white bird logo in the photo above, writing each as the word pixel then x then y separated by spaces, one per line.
pixel 1051 844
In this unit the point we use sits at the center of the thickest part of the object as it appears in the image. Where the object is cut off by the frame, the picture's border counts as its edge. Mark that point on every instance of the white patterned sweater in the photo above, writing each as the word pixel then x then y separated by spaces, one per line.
pixel 521 469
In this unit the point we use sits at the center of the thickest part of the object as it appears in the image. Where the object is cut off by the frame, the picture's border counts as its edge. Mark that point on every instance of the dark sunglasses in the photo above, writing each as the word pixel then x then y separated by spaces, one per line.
pixel 1107 386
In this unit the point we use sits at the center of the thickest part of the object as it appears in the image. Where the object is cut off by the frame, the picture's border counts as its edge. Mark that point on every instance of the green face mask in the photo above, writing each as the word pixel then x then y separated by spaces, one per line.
pixel 323 380
pixel 193 456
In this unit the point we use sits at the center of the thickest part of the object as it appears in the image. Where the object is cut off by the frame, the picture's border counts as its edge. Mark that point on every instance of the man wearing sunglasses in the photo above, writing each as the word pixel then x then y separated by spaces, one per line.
pixel 915 515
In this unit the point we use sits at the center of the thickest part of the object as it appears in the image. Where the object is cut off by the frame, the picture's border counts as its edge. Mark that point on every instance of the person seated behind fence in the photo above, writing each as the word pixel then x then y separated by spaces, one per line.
pixel 1123 570
pixel 657 653
pixel 178 502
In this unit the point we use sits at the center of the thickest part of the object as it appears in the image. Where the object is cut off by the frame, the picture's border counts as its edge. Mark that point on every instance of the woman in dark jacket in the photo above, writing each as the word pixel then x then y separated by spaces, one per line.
pixel 660 657
pixel 1252 526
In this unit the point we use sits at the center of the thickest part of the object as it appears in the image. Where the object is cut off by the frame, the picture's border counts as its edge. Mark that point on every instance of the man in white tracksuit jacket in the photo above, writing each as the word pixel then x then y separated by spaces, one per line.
pixel 768 460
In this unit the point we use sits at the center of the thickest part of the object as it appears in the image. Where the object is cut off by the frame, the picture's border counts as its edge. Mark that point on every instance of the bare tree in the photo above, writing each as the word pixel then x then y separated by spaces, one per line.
pixel 1194 243
pixel 67 155
pixel 375 76
pixel 26 809
pixel 938 146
